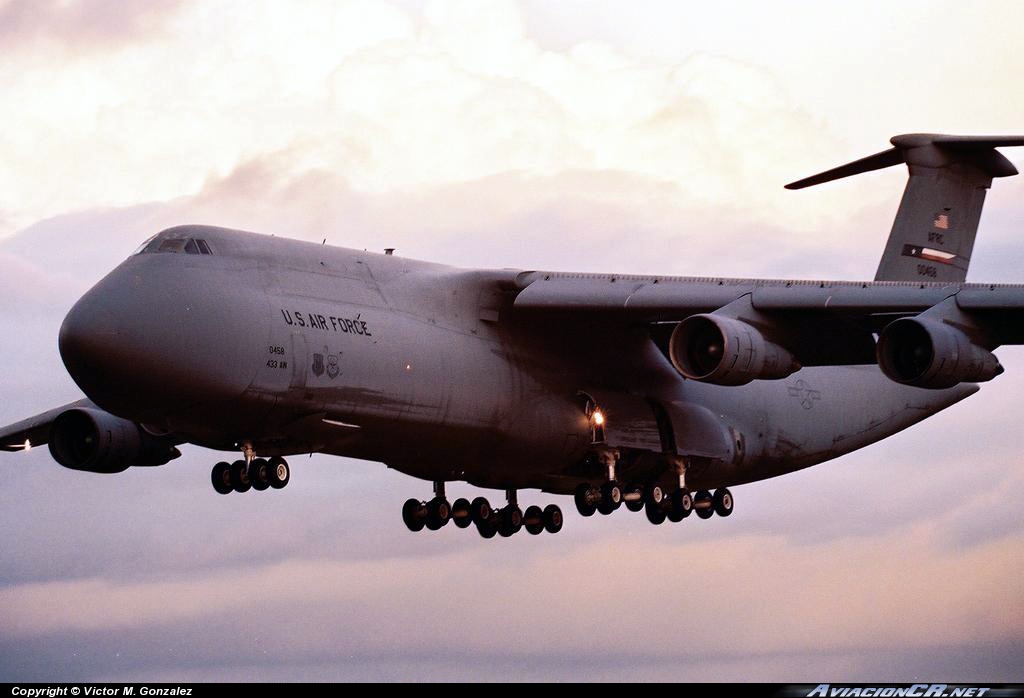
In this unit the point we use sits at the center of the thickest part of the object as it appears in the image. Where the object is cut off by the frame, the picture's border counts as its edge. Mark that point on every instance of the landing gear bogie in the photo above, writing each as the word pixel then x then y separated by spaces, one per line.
pixel 489 522
pixel 257 474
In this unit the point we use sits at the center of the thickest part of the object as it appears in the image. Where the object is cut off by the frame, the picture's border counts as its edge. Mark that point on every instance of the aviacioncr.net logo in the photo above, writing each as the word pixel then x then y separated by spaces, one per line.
pixel 917 690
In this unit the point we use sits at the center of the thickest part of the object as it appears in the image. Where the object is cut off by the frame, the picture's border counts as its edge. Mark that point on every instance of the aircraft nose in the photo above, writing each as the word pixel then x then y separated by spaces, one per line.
pixel 153 338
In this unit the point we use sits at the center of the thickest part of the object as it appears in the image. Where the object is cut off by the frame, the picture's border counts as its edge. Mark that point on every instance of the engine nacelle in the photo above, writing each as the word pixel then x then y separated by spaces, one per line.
pixel 931 354
pixel 98 442
pixel 726 351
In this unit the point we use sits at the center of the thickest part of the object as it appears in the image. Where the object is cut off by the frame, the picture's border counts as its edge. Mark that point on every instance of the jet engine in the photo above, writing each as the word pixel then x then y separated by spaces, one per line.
pixel 98 442
pixel 726 351
pixel 932 354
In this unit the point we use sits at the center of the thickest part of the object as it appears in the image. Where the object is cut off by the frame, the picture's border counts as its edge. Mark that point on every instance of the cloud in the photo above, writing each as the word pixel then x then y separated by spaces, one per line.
pixel 387 102
pixel 80 24
pixel 751 595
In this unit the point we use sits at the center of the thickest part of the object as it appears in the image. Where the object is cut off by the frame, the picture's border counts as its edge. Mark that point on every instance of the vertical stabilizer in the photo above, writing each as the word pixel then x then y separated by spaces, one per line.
pixel 933 234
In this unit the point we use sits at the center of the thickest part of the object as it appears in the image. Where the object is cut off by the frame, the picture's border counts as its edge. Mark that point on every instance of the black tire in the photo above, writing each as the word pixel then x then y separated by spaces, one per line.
pixel 553 518
pixel 487 529
pixel 439 513
pixel 279 472
pixel 704 512
pixel 655 513
pixel 653 494
pixel 414 515
pixel 635 505
pixel 240 476
pixel 462 514
pixel 221 478
pixel 583 498
pixel 259 474
pixel 724 501
pixel 672 514
pixel 611 498
pixel 510 521
pixel 533 520
pixel 680 505
pixel 481 512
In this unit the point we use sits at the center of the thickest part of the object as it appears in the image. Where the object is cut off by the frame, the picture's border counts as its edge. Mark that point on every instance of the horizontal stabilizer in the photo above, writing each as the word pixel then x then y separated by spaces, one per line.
pixel 981 148
pixel 878 161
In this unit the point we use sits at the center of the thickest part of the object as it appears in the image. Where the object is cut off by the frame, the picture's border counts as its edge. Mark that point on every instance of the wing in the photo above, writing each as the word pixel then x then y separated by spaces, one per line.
pixel 816 323
pixel 659 298
pixel 34 431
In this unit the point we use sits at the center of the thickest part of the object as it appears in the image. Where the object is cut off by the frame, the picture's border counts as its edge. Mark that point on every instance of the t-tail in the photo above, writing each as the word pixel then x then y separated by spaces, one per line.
pixel 933 234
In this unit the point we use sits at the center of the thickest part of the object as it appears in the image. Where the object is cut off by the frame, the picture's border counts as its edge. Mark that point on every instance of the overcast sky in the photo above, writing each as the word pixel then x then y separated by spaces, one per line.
pixel 591 135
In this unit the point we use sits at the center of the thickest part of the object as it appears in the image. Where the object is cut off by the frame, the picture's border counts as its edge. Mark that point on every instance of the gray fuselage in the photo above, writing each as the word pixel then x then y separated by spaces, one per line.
pixel 294 347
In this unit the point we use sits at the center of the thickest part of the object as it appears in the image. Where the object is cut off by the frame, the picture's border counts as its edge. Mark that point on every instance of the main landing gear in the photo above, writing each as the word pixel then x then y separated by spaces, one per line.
pixel 489 522
pixel 658 505
pixel 258 474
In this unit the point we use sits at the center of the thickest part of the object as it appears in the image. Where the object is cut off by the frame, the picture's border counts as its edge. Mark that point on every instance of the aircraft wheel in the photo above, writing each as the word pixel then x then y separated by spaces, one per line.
pixel 439 512
pixel 481 512
pixel 655 512
pixel 221 477
pixel 533 520
pixel 462 514
pixel 414 515
pixel 611 498
pixel 280 473
pixel 240 476
pixel 487 529
pixel 635 505
pixel 259 474
pixel 681 504
pixel 653 494
pixel 704 511
pixel 584 500
pixel 553 519
pixel 723 501
pixel 511 520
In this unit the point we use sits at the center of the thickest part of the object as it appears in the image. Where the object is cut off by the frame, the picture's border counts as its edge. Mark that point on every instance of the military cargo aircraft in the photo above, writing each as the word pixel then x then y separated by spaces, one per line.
pixel 657 392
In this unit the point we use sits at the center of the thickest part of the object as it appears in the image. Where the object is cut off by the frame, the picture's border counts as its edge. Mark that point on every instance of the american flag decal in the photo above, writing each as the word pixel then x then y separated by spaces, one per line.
pixel 928 254
pixel 941 221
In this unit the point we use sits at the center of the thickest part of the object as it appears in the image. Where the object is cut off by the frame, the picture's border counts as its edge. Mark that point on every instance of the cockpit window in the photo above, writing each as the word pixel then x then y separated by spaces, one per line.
pixel 177 246
pixel 172 245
